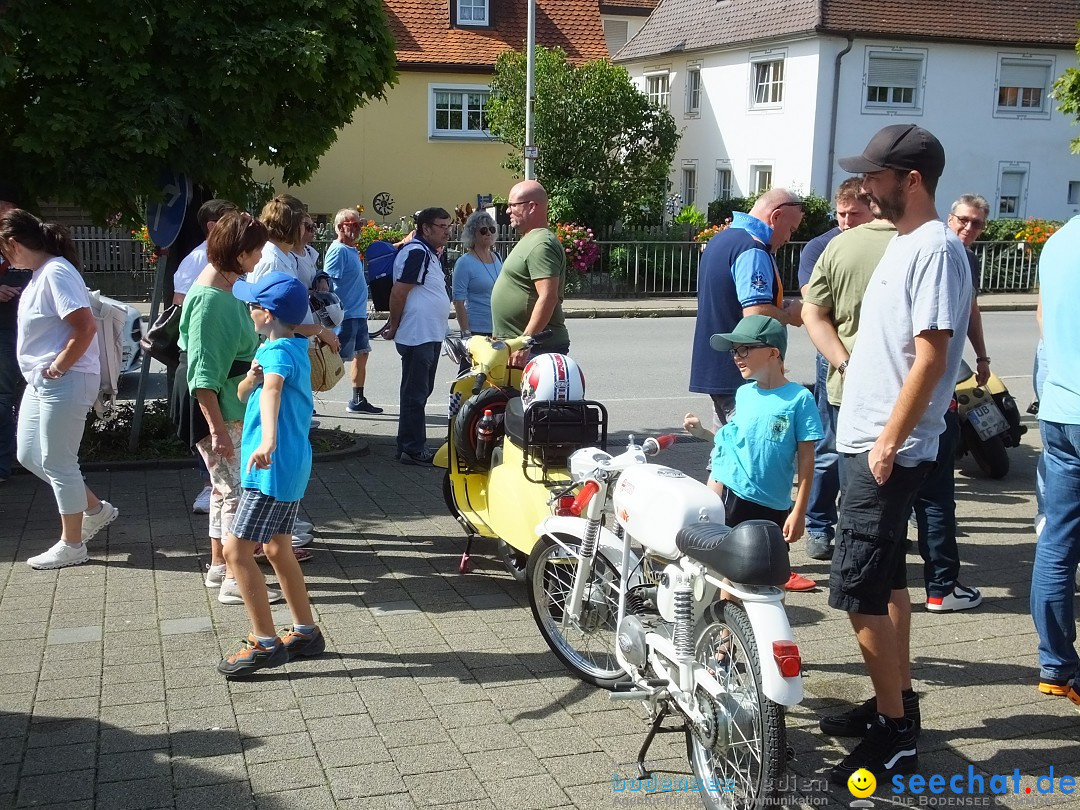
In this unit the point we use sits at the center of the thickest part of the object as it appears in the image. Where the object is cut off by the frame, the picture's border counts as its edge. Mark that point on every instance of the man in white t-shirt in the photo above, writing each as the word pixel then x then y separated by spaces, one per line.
pixel 897 388
pixel 209 213
pixel 419 311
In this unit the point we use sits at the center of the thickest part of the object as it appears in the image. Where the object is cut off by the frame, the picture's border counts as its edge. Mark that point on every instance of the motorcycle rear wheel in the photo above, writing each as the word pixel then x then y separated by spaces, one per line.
pixel 587 649
pixel 990 455
pixel 747 751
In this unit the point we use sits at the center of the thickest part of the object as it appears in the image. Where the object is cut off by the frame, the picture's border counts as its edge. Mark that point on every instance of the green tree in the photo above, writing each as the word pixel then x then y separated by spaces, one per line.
pixel 98 97
pixel 605 151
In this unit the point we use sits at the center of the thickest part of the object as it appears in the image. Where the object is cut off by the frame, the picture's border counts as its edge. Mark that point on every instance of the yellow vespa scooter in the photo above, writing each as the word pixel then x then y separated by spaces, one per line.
pixel 506 464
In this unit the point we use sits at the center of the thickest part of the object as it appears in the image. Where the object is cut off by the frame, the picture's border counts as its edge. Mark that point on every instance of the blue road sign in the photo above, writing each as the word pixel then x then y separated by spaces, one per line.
pixel 165 216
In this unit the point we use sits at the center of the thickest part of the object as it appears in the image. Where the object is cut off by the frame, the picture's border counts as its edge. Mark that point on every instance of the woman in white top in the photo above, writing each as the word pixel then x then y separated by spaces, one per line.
pixel 58 356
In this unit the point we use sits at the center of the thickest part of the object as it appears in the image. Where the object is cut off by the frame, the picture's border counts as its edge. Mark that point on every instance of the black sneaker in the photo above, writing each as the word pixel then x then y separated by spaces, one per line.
pixel 421 459
pixel 303 644
pixel 819 547
pixel 856 722
pixel 888 748
pixel 253 657
pixel 362 406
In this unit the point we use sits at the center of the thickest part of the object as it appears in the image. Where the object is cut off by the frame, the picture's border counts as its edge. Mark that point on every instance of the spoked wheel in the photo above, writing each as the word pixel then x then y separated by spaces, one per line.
pixel 514 560
pixel 741 755
pixel 586 648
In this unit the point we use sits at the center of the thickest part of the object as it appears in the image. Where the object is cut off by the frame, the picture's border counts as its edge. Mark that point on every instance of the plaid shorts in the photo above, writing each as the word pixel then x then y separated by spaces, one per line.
pixel 259 517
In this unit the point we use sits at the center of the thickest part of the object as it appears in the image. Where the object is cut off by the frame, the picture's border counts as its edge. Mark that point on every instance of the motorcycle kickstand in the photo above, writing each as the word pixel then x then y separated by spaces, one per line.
pixel 643 772
pixel 465 566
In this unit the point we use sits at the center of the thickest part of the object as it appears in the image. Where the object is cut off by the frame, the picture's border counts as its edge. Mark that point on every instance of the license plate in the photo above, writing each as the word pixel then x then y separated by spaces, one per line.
pixel 987 420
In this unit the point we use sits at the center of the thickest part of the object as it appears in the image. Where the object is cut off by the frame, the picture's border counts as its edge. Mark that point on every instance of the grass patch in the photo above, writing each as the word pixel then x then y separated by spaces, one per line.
pixel 106 439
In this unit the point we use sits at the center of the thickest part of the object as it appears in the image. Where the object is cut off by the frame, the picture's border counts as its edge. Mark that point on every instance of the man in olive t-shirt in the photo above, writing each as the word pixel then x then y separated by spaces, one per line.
pixel 527 296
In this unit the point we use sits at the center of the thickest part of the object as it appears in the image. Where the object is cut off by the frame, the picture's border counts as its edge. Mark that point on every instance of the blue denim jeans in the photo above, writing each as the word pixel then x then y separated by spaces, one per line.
pixel 821 511
pixel 935 514
pixel 1057 554
pixel 418 364
pixel 11 388
pixel 1038 375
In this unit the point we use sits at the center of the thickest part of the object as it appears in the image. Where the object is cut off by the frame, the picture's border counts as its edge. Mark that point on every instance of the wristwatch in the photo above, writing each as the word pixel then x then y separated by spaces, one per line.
pixel 982 359
pixel 841 368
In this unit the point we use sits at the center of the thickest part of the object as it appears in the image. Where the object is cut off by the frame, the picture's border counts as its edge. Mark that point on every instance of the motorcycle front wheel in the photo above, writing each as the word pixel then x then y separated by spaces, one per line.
pixel 586 648
pixel 740 757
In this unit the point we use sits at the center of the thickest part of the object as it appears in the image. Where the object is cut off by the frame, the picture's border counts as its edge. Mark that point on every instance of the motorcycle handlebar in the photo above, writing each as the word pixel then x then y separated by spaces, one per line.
pixel 652 446
pixel 588 489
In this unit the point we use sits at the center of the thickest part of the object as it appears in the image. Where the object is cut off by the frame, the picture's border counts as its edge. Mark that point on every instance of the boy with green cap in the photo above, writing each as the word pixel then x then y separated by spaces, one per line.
pixel 769 438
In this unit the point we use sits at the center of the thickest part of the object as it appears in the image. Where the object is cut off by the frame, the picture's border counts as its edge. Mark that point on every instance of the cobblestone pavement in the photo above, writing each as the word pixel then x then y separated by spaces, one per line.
pixel 437 689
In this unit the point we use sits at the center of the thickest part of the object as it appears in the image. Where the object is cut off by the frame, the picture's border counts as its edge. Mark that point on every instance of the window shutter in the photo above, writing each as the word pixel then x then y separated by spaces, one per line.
pixel 886 71
pixel 616 34
pixel 1023 74
pixel 1011 183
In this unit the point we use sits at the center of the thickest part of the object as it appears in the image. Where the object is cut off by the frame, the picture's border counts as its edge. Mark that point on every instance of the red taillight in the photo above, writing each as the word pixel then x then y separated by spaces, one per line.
pixel 787 658
pixel 562 508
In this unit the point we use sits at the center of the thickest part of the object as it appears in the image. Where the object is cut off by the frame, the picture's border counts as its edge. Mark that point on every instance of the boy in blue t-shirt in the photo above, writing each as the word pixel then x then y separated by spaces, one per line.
pixel 275 457
pixel 769 438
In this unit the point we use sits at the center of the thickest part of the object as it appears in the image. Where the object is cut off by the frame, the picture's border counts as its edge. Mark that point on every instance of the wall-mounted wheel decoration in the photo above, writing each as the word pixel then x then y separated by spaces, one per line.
pixel 383 204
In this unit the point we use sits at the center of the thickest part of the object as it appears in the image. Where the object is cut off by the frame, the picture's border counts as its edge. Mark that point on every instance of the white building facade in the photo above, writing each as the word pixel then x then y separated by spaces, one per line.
pixel 779 111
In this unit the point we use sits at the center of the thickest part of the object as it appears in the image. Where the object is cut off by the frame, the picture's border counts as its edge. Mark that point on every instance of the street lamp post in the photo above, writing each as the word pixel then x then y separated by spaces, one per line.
pixel 530 93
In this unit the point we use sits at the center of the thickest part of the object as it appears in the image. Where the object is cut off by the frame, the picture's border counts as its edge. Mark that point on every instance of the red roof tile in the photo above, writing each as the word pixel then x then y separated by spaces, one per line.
pixel 628 7
pixel 424 37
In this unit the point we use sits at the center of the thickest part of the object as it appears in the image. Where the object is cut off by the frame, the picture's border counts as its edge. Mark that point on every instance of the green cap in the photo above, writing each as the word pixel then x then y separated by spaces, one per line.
pixel 753 329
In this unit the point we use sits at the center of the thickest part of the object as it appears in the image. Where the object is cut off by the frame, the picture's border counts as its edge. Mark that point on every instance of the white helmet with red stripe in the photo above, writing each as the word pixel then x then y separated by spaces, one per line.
pixel 552 378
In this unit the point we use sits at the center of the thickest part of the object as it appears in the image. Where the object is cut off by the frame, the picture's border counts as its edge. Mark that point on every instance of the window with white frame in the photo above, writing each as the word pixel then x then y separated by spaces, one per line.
pixel 458 111
pixel 760 178
pixel 689 182
pixel 472 12
pixel 693 90
pixel 1012 190
pixel 724 187
pixel 657 88
pixel 894 80
pixel 767 76
pixel 1023 86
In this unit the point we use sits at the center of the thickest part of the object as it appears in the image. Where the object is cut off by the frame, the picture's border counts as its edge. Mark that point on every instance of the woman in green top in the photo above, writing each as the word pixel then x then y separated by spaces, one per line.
pixel 218 343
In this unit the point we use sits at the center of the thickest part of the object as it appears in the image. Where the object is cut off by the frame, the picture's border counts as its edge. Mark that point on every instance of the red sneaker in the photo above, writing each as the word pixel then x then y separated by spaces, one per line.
pixel 797 582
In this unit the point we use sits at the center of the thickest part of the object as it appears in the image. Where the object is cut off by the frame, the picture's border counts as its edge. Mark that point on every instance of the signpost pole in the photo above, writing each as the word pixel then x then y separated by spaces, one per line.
pixel 530 94
pixel 164 219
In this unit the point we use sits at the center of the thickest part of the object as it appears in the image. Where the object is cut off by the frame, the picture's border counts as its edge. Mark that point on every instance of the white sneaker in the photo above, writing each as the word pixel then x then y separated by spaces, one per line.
pixel 215 574
pixel 92 524
pixel 230 593
pixel 300 540
pixel 60 556
pixel 303 527
pixel 201 506
pixel 961 598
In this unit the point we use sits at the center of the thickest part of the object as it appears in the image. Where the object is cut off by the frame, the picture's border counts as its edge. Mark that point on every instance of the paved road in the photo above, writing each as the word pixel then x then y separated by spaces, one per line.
pixel 437 690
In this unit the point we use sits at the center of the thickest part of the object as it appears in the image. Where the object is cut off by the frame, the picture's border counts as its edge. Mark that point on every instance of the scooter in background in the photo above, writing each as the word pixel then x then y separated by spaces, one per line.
pixel 989 422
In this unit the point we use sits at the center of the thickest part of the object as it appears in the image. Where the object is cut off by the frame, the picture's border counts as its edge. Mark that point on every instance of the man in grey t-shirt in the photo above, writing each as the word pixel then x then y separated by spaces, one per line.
pixel 897 387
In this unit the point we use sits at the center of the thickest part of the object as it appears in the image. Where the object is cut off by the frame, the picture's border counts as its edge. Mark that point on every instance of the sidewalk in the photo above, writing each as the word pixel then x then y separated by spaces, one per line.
pixel 437 689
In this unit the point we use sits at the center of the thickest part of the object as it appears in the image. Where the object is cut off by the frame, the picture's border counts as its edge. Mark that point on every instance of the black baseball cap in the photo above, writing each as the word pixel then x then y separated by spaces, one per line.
pixel 906 147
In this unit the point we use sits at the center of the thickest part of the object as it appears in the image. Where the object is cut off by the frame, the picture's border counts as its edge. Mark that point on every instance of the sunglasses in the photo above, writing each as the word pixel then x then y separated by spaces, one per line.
pixel 253 307
pixel 484 231
pixel 968 222
pixel 799 204
pixel 742 351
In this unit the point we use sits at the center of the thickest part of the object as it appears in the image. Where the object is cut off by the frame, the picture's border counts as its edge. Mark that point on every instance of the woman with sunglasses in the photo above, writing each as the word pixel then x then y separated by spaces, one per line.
pixel 475 273
pixel 217 344
pixel 57 350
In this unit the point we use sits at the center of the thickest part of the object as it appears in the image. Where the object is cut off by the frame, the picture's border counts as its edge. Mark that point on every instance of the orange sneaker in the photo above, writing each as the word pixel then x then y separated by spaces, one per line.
pixel 1055 689
pixel 797 582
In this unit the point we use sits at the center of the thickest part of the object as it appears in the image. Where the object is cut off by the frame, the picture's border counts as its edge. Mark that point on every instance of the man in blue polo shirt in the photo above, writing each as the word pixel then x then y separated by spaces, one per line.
pixel 737 277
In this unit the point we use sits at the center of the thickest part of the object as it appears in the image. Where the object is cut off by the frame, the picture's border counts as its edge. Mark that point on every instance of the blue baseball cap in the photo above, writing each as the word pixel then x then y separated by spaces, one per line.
pixel 280 294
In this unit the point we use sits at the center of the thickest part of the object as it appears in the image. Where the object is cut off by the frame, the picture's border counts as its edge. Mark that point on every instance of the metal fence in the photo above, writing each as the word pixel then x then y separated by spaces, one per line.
pixel 631 264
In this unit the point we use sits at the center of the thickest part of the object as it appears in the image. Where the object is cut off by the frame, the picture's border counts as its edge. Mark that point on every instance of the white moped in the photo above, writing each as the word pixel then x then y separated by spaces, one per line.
pixel 668 605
